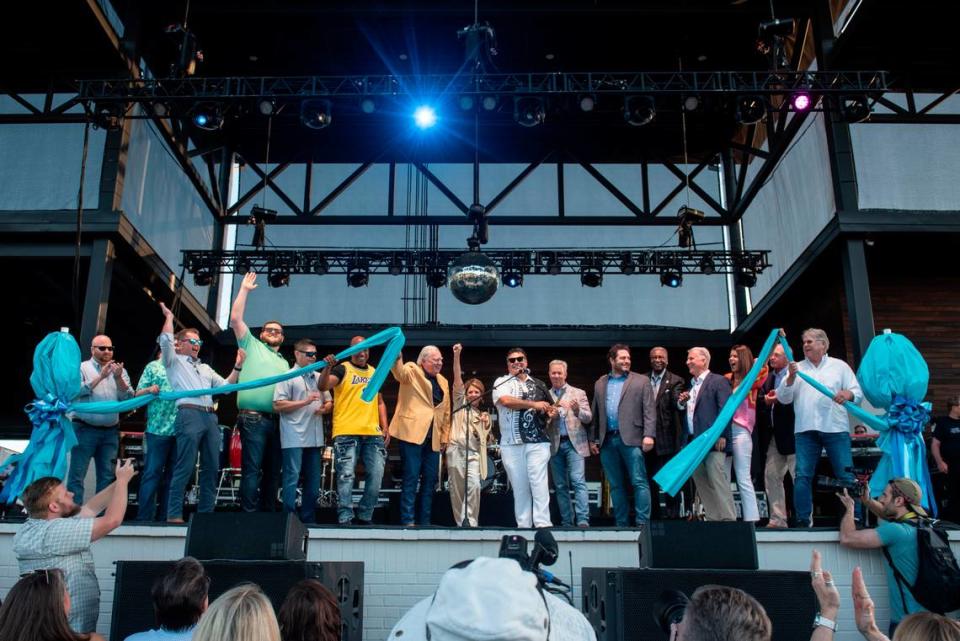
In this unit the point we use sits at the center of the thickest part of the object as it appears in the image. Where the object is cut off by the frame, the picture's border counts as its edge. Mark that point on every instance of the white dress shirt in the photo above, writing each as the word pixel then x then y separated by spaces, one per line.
pixel 691 405
pixel 813 410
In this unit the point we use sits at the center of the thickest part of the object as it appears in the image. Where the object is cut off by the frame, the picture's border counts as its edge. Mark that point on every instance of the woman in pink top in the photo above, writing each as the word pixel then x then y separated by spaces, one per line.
pixel 741 360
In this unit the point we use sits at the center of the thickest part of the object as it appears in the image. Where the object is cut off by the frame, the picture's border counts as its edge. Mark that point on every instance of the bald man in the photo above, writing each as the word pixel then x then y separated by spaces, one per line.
pixel 102 379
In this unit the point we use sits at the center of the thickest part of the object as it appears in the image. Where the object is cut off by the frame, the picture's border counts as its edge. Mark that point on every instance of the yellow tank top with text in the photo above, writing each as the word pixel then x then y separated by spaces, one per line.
pixel 352 416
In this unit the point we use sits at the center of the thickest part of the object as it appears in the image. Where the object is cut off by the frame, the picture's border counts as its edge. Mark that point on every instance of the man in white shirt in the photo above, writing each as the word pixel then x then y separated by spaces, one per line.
pixel 820 422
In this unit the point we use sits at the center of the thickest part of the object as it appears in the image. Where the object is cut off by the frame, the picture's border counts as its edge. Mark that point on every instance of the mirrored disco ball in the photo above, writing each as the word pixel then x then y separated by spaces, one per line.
pixel 473 278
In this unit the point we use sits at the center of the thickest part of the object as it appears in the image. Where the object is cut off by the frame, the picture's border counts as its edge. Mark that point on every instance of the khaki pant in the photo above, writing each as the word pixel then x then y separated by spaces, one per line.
pixel 455 476
pixel 774 471
pixel 713 486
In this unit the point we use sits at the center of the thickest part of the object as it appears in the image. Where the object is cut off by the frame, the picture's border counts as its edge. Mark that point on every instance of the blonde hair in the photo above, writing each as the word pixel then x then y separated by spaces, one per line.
pixel 702 351
pixel 926 626
pixel 242 613
pixel 818 335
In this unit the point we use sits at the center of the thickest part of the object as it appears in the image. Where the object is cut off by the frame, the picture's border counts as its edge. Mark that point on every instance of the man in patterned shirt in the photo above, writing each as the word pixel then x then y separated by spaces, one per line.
pixel 58 534
pixel 160 444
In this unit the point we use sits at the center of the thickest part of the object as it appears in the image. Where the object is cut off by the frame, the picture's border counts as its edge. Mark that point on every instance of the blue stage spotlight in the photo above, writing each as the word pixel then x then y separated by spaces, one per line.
pixel 425 117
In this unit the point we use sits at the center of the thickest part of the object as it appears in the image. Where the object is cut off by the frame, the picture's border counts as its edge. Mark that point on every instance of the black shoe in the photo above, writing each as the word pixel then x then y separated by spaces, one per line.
pixel 362 522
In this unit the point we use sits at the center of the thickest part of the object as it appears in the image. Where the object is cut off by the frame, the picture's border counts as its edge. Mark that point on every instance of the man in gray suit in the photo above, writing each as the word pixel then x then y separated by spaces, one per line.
pixel 624 422
pixel 701 404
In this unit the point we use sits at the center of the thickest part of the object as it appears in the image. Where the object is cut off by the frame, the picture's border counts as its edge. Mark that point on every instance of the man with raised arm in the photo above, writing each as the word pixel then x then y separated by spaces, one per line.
pixel 196 426
pixel 58 534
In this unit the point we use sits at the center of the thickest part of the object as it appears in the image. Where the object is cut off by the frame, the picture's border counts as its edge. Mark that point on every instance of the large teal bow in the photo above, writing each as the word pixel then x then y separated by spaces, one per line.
pixel 56 377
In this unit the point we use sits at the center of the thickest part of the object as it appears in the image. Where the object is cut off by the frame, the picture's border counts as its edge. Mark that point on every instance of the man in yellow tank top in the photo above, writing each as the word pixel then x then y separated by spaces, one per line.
pixel 358 433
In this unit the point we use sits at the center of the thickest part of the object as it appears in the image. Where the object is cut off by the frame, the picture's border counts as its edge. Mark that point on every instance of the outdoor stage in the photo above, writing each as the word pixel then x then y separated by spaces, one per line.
pixel 404 565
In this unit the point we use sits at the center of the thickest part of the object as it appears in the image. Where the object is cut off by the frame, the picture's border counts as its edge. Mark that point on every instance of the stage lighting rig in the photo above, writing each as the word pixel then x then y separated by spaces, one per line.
pixel 751 109
pixel 591 273
pixel 639 110
pixel 801 101
pixel 480 46
pixel 188 53
pixel 358 273
pixel 316 114
pixel 319 265
pixel 770 38
pixel 260 216
pixel 278 278
pixel 854 108
pixel 207 116
pixel 424 117
pixel 203 277
pixel 627 264
pixel 687 217
pixel 529 111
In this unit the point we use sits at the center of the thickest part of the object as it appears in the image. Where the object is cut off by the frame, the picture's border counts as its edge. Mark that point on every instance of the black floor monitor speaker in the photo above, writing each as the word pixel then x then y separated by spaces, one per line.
pixel 724 545
pixel 618 601
pixel 247 536
pixel 133 607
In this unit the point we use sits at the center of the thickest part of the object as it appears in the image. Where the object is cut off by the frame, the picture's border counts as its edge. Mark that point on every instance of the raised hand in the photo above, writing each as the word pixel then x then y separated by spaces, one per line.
pixel 249 281
pixel 166 311
pixel 457 348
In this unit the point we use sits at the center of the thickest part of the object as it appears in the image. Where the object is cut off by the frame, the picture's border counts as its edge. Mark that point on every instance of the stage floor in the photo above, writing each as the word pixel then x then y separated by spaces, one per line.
pixel 403 565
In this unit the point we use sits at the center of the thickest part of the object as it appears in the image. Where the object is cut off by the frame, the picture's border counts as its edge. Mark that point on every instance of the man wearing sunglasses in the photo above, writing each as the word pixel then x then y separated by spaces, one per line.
pixel 301 407
pixel 196 425
pixel 102 379
pixel 258 422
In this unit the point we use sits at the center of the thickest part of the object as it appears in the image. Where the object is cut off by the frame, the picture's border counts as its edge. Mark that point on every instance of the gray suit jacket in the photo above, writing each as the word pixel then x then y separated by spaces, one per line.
pixel 637 412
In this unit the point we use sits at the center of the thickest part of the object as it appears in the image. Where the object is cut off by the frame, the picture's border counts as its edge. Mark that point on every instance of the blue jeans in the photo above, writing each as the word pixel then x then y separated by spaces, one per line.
pixel 158 462
pixel 99 444
pixel 625 462
pixel 307 459
pixel 259 462
pixel 567 461
pixel 196 431
pixel 346 451
pixel 809 444
pixel 420 466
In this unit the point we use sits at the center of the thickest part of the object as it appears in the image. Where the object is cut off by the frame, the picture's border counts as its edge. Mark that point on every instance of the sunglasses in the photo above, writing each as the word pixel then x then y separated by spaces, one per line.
pixel 46 574
pixel 104 348
pixel 517 359
pixel 308 354
pixel 271 330
pixel 193 341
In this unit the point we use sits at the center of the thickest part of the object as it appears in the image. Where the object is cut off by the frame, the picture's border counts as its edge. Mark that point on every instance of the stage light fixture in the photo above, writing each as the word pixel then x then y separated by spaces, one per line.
pixel 707 266
pixel 489 102
pixel 687 217
pixel 751 109
pixel 241 265
pixel 466 102
pixel 671 277
pixel 746 277
pixel 203 277
pixel 436 277
pixel 854 108
pixel 320 266
pixel 278 278
pixel 639 110
pixel 358 274
pixel 396 265
pixel 207 116
pixel 424 117
pixel 591 274
pixel 627 264
pixel 801 101
pixel 588 102
pixel 512 277
pixel 267 106
pixel 368 105
pixel 529 111
pixel 316 113
pixel 691 102
pixel 553 265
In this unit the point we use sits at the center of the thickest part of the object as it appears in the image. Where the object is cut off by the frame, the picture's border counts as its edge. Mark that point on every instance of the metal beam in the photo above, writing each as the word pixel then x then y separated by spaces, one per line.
pixel 97 292
pixel 610 187
pixel 253 191
pixel 519 178
pixel 532 219
pixel 436 182
pixel 276 189
pixel 856 284
pixel 697 189
pixel 339 189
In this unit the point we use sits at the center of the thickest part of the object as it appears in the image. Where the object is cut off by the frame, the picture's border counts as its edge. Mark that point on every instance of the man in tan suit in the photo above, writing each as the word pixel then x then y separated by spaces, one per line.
pixel 421 424
pixel 573 446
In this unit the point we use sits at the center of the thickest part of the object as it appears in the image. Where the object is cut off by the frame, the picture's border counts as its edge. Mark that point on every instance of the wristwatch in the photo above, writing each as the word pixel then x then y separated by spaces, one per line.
pixel 825 622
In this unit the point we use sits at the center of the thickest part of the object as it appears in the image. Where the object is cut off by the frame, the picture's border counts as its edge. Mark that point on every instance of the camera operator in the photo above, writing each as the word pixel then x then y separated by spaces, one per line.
pixel 899 503
pixel 713 613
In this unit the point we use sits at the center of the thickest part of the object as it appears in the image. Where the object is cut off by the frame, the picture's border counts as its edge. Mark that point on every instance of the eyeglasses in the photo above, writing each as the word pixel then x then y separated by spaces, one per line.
pixel 192 341
pixel 104 348
pixel 516 359
pixel 307 354
pixel 272 330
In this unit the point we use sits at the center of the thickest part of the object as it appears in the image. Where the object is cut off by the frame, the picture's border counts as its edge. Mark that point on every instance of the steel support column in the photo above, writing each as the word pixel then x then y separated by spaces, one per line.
pixel 97 292
pixel 856 284
pixel 114 167
pixel 729 169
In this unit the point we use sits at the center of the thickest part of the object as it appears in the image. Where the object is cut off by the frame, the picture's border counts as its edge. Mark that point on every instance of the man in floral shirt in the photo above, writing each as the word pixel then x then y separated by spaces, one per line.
pixel 160 445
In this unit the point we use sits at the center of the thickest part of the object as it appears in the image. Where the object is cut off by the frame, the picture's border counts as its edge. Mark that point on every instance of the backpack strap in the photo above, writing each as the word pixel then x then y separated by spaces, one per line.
pixel 901 580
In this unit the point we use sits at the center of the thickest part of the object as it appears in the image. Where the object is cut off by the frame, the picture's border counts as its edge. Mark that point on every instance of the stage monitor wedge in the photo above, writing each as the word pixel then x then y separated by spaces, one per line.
pixel 246 536
pixel 714 545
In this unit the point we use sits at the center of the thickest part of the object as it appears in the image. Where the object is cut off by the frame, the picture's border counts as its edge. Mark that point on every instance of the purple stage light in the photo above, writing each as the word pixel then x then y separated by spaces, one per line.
pixel 801 101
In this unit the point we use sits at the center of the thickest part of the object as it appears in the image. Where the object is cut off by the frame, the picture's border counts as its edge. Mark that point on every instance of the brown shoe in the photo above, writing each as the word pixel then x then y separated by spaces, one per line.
pixel 176 521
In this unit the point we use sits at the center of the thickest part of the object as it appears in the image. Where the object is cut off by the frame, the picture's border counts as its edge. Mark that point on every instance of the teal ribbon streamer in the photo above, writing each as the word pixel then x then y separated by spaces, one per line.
pixel 677 470
pixel 56 376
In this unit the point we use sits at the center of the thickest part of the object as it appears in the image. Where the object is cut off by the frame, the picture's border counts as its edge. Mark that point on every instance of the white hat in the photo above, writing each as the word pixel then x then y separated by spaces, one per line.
pixel 488 600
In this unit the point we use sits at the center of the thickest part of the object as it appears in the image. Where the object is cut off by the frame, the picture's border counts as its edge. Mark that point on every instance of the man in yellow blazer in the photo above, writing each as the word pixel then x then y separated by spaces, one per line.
pixel 421 425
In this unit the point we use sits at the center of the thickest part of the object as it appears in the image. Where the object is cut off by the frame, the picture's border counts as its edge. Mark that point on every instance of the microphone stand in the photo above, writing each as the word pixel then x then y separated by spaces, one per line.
pixel 468 405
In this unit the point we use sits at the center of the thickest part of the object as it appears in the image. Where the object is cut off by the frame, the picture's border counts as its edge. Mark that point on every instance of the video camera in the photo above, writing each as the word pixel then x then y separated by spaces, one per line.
pixel 854 486
pixel 545 552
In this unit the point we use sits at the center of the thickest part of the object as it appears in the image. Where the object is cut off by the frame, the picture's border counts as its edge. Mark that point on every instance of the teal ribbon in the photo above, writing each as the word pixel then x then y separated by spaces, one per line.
pixel 53 436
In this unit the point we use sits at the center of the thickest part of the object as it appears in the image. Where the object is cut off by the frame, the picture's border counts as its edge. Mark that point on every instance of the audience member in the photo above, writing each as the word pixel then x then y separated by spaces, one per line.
pixel 722 613
pixel 179 598
pixel 58 534
pixel 945 448
pixel 36 609
pixel 491 599
pixel 310 613
pixel 242 613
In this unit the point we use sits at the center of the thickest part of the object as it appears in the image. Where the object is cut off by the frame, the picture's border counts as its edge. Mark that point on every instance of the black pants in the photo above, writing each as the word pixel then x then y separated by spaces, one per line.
pixel 671 509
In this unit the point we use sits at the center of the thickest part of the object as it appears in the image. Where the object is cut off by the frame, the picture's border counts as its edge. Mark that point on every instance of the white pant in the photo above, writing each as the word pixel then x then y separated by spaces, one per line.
pixel 742 455
pixel 526 465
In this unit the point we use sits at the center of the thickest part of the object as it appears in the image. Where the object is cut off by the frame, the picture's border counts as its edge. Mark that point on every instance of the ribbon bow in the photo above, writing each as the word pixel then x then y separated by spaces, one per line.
pixel 908 416
pixel 45 410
